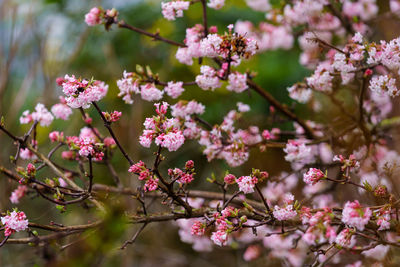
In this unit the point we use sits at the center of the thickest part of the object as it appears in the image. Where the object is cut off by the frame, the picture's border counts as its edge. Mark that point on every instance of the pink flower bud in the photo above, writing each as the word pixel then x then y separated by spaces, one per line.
pixel 60 81
pixel 230 179
pixel 213 29
pixel 189 165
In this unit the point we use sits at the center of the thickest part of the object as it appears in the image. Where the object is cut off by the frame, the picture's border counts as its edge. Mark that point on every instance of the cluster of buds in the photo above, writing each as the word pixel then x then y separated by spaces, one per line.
pixel 320 228
pixel 271 135
pixel 347 163
pixel 226 221
pixel 383 216
pixel 165 131
pixel 142 82
pixel 56 136
pixel 247 183
pixel 14 221
pixel 313 176
pixel 183 177
pixel 113 116
pixel 28 173
pixel 145 175
pixel 381 191
pixel 198 228
pixel 230 178
pixel 82 92
pixel 289 209
pixel 98 15
pixel 87 147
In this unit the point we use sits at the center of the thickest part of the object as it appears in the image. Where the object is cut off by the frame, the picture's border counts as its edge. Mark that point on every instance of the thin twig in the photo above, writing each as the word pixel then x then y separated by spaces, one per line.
pixel 134 237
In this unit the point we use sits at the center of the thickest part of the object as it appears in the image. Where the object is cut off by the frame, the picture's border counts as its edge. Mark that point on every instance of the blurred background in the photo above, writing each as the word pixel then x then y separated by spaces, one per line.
pixel 42 40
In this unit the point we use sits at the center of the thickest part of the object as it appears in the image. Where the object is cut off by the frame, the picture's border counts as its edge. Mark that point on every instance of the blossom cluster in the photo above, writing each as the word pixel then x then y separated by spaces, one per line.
pixel 80 93
pixel 134 83
pixel 15 221
pixel 146 175
pixel 164 131
pixel 183 177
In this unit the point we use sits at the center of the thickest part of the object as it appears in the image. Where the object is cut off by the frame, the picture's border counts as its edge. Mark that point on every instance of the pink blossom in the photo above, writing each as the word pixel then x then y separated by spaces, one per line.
pixel 113 116
pixel 26 117
pixel 384 84
pixel 174 89
pixel 313 176
pixel 18 193
pixel 252 252
pixel 271 135
pixel 229 179
pixel 342 64
pixel 146 138
pixel 351 162
pixel 216 4
pixel 56 136
pixel 138 167
pixel 219 238
pixel 208 78
pixel 174 9
pixel 355 216
pixel 321 80
pixel 296 150
pixel 186 178
pixel 300 93
pixel 87 132
pixel 31 170
pixel 246 184
pixel 68 155
pixel 127 86
pixel 251 46
pixel 109 141
pixel 151 184
pixel 61 111
pixel 237 82
pixel 198 228
pixel 14 222
pixel 184 56
pixel 62 182
pixel 189 165
pixel 93 17
pixel 87 148
pixel 182 110
pixel 25 153
pixel 259 5
pixel 378 253
pixel 150 93
pixel 284 214
pixel 365 9
pixel 210 46
pixel 41 114
pixel 81 93
pixel 172 140
pixel 243 107
pixel 345 239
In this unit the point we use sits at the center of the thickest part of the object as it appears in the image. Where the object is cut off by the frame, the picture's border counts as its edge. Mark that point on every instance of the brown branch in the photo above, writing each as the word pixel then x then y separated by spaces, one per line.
pixel 155 36
pixel 108 126
pixel 275 103
pixel 264 200
pixel 135 236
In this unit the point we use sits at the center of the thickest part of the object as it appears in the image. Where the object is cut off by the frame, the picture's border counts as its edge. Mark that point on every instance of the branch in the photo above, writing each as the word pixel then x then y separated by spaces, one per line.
pixel 155 36
pixel 281 107
pixel 108 126
pixel 133 239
